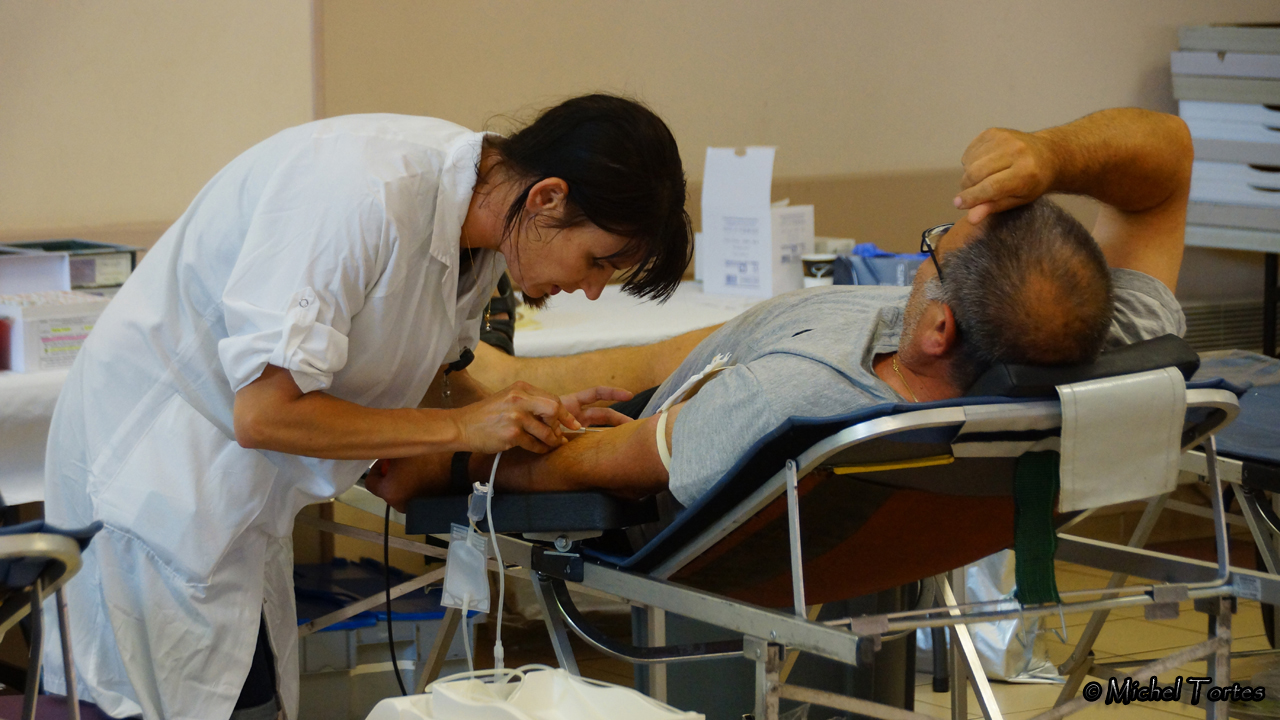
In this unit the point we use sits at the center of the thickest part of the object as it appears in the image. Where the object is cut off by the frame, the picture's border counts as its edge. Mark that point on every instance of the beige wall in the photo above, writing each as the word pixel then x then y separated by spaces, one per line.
pixel 870 103
pixel 113 113
pixel 840 86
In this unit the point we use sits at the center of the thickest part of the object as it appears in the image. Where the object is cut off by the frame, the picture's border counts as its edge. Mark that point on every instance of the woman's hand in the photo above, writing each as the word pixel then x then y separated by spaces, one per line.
pixel 520 416
pixel 401 479
pixel 1004 169
pixel 576 404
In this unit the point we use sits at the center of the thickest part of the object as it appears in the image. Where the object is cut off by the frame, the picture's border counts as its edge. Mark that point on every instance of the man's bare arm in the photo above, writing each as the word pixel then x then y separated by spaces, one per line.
pixel 631 368
pixel 622 460
pixel 1136 162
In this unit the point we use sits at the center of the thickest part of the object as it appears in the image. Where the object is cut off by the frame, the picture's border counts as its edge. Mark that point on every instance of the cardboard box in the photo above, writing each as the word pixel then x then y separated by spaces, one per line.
pixel 48 328
pixel 749 246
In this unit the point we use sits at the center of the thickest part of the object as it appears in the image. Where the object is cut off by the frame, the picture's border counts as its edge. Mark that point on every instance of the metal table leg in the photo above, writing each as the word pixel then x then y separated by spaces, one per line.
pixel 439 648
pixel 1270 262
pixel 555 623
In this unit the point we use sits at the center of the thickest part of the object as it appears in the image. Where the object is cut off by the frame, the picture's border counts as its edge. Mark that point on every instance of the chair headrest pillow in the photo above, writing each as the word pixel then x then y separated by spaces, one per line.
pixel 1040 381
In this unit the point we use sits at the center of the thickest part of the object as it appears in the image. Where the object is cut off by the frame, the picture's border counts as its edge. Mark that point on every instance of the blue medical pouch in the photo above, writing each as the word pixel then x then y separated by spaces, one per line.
pixel 869 265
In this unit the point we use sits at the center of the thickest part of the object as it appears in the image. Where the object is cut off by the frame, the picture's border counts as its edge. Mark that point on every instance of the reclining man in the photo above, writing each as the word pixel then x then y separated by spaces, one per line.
pixel 1014 280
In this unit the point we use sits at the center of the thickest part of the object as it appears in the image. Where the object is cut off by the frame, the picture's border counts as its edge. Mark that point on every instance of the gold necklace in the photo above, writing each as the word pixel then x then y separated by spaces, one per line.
pixel 903 379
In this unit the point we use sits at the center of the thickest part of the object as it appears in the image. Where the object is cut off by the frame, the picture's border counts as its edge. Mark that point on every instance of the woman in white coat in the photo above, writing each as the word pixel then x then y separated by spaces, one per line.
pixel 283 333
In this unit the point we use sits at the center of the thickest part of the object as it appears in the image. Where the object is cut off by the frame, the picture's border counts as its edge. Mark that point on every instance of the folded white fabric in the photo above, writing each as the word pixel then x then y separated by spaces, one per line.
pixel 530 693
pixel 1121 438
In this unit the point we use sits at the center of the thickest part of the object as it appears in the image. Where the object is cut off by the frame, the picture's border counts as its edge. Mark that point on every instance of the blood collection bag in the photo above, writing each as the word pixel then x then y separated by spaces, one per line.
pixel 466 579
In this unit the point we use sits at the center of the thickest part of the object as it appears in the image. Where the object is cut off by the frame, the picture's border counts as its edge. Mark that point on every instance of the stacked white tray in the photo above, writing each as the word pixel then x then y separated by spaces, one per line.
pixel 1227 82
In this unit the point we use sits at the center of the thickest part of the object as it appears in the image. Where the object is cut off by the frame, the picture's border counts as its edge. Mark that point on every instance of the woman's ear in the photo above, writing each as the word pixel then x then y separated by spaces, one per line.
pixel 547 197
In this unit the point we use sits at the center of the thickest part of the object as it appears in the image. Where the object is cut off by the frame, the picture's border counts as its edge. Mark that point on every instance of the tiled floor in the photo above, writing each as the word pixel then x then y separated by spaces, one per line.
pixel 1126 635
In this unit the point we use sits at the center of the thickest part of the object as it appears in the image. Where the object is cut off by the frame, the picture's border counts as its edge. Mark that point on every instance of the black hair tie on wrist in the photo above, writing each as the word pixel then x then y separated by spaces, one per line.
pixel 464 359
pixel 459 475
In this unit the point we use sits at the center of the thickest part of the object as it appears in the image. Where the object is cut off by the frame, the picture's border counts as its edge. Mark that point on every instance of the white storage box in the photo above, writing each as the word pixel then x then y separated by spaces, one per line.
pixel 1225 64
pixel 93 264
pixel 48 328
pixel 1207 88
pixel 28 272
pixel 1237 152
pixel 1249 38
pixel 1229 112
pixel 1254 132
pixel 1234 216
pixel 1233 183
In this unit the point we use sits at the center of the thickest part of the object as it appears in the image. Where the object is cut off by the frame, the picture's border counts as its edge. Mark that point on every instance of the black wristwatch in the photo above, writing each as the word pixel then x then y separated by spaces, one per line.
pixel 459 475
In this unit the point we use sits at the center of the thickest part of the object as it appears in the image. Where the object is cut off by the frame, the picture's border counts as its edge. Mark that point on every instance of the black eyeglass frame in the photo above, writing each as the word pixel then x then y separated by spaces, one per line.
pixel 926 244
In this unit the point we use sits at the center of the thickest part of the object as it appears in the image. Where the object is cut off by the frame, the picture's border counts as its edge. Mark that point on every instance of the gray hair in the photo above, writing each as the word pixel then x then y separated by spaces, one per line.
pixel 1033 288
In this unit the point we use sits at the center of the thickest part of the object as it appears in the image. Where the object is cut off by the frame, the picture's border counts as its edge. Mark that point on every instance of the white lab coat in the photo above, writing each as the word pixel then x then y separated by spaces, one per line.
pixel 330 249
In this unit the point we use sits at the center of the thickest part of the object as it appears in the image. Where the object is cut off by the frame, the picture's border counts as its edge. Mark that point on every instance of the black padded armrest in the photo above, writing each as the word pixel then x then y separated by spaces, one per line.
pixel 533 512
pixel 1041 381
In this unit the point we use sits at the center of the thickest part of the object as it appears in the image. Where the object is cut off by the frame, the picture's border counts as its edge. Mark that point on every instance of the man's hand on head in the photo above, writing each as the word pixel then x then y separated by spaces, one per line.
pixel 1004 169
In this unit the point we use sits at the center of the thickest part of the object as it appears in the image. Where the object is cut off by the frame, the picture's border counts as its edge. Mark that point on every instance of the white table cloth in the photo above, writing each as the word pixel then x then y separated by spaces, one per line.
pixel 573 324
pixel 26 404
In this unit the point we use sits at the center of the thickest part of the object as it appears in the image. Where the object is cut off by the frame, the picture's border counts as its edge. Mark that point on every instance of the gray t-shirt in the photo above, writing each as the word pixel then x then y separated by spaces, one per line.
pixel 808 354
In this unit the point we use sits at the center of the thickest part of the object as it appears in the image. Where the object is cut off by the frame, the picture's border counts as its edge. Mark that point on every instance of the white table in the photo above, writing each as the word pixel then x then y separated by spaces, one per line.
pixel 573 324
pixel 26 404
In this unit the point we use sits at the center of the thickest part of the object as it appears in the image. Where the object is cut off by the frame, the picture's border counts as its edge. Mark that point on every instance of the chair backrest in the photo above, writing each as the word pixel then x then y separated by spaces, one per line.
pixel 738 526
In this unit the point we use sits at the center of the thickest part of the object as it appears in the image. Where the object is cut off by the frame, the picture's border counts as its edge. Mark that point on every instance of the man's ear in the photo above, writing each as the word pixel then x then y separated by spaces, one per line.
pixel 939 334
pixel 547 197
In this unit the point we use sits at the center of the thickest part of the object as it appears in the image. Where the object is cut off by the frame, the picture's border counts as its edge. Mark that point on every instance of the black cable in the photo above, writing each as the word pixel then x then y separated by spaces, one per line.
pixel 386 573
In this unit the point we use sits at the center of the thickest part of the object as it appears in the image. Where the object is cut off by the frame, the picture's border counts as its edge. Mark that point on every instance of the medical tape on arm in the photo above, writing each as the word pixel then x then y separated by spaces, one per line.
pixel 684 392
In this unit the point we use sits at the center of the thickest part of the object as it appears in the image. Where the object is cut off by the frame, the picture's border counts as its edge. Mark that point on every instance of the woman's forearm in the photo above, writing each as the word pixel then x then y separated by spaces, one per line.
pixel 271 413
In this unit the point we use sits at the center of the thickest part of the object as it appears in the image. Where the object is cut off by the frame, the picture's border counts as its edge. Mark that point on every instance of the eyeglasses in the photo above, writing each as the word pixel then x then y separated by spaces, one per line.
pixel 927 240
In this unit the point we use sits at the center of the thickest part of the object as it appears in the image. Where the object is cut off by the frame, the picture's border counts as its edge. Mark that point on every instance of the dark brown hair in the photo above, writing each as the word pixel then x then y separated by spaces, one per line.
pixel 624 174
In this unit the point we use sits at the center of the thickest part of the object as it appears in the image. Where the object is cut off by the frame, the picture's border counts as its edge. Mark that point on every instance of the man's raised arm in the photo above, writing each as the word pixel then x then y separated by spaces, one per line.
pixel 1136 162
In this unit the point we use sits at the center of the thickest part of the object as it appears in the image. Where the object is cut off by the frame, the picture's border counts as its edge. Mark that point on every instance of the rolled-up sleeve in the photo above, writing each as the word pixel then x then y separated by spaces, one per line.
pixel 318 240
pixel 291 337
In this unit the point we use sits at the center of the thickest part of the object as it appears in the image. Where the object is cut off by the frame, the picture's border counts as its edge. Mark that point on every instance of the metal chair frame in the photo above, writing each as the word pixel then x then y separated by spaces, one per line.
pixel 64 554
pixel 767 634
